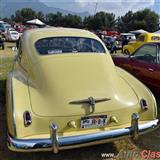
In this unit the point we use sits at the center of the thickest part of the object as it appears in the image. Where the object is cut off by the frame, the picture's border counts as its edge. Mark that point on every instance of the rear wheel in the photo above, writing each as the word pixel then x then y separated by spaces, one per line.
pixel 126 52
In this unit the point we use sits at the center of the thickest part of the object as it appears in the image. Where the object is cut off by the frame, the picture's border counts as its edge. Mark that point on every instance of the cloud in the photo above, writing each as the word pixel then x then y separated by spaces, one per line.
pixel 119 7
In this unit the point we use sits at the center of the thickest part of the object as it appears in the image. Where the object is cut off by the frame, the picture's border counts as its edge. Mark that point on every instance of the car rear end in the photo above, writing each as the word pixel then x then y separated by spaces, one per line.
pixel 74 99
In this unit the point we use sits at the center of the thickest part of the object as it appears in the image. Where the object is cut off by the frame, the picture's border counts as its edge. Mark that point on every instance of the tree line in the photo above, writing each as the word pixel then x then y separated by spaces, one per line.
pixel 144 19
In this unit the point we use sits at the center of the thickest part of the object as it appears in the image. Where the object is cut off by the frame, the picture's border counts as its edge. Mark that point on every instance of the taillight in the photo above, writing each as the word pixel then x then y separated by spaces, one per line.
pixel 27 118
pixel 143 104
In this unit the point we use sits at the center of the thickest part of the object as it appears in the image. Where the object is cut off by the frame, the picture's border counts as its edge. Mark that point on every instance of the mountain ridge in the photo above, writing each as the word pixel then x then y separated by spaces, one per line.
pixel 8 7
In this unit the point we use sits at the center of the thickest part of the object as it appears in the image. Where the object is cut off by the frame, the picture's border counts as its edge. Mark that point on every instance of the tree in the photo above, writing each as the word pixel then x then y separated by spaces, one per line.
pixel 24 15
pixel 40 16
pixel 89 22
pixel 72 21
pixel 64 20
pixel 144 19
pixel 54 19
pixel 124 23
pixel 102 21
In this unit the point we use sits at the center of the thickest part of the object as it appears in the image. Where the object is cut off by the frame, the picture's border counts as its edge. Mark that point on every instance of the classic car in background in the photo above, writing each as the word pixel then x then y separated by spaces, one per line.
pixel 144 64
pixel 4 26
pixel 128 36
pixel 11 35
pixel 142 39
pixel 65 92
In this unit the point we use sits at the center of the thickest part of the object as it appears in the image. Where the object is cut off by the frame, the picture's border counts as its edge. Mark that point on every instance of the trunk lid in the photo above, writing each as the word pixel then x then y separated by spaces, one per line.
pixel 67 78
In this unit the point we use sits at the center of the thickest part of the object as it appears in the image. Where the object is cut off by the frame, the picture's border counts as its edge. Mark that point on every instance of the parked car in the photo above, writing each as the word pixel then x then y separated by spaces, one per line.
pixel 4 26
pixel 142 39
pixel 128 36
pixel 11 35
pixel 65 92
pixel 144 64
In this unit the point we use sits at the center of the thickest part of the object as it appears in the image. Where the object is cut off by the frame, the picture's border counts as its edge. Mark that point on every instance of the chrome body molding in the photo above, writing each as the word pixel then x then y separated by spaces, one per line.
pixel 12 102
pixel 55 143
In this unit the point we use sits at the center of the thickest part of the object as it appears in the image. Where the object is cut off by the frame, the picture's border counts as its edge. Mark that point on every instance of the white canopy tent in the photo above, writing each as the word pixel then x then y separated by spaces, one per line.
pixel 158 32
pixel 36 22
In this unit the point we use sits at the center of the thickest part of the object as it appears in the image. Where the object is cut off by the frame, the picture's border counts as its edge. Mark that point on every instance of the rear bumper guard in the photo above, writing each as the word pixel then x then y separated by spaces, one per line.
pixel 55 143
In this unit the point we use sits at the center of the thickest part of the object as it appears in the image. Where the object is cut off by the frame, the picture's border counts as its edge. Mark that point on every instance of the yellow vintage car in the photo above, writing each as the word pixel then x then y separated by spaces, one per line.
pixel 65 92
pixel 142 39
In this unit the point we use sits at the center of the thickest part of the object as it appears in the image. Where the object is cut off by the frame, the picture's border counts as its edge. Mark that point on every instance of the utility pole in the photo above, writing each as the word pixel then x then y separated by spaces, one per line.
pixel 96 8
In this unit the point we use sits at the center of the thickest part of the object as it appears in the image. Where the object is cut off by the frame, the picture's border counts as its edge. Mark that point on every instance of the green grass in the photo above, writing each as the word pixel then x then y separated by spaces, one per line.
pixel 5 67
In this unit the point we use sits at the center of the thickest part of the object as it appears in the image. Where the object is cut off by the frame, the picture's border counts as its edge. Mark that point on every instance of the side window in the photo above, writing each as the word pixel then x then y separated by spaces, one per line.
pixel 155 38
pixel 141 38
pixel 146 53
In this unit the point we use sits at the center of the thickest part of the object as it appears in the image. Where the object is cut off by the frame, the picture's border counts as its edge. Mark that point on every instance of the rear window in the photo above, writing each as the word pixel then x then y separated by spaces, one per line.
pixel 141 38
pixel 62 45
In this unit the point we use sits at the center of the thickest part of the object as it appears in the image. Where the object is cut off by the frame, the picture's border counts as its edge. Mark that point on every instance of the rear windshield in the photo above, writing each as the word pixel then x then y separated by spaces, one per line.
pixel 61 45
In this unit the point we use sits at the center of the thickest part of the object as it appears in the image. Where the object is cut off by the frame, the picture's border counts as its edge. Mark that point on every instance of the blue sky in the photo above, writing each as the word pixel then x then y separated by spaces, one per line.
pixel 119 7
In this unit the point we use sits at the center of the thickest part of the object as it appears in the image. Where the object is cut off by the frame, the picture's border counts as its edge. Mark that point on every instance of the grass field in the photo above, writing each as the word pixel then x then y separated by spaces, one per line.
pixel 150 141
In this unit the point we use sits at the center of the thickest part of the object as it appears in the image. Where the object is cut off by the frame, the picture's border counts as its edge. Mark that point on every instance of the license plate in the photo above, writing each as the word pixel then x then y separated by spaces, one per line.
pixel 93 121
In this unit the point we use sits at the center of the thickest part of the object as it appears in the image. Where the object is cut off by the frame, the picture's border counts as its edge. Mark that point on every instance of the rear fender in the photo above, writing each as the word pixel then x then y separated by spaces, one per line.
pixel 143 93
pixel 129 48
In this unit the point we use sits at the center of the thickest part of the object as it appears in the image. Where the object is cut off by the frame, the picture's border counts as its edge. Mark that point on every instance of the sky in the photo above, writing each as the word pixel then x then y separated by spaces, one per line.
pixel 119 7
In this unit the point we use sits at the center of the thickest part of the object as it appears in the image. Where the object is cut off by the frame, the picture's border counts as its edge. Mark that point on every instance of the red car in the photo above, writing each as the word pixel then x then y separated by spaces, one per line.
pixel 144 64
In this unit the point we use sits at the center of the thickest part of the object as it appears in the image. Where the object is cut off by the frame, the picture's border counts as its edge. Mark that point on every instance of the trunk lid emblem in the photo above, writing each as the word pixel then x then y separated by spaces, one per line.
pixel 91 101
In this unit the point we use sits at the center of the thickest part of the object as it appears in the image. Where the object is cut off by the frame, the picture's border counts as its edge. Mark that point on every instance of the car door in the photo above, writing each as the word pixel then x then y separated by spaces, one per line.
pixel 156 72
pixel 140 41
pixel 144 63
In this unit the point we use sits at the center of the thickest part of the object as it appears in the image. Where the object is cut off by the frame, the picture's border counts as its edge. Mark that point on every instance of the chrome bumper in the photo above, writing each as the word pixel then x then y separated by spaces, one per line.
pixel 56 143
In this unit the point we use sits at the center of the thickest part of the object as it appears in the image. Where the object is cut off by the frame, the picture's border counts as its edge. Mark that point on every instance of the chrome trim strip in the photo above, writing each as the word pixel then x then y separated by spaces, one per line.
pixel 33 145
pixel 12 101
pixel 91 102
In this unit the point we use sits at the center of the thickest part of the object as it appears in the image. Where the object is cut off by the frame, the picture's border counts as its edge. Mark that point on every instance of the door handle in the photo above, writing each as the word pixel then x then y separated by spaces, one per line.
pixel 151 70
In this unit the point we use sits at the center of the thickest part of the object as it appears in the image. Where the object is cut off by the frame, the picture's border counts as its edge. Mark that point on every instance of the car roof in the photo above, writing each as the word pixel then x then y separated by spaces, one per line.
pixel 58 31
pixel 150 34
pixel 127 34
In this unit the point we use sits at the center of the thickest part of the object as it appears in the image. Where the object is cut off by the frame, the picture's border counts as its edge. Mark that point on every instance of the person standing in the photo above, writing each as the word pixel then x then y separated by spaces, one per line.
pixel 113 44
pixel 124 42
